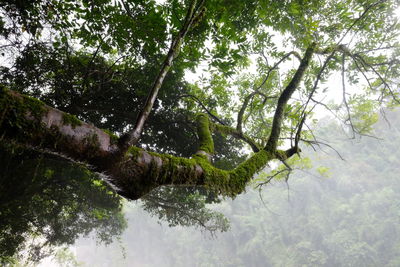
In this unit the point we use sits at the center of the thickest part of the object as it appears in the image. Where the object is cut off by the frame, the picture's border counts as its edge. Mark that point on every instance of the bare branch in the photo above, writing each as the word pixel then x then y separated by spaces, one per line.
pixel 256 90
pixel 304 112
pixel 224 129
pixel 386 85
pixel 375 49
pixel 325 106
pixel 294 53
pixel 319 143
pixel 245 104
pixel 270 177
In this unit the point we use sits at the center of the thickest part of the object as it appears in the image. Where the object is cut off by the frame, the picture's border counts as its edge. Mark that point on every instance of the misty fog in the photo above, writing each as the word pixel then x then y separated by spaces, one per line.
pixel 335 213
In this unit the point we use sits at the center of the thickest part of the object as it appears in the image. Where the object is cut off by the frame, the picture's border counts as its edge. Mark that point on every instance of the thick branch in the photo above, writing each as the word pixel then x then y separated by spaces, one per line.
pixel 284 98
pixel 29 122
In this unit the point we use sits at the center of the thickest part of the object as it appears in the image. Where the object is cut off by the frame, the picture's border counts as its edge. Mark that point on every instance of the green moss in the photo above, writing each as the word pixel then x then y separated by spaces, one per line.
pixel 183 171
pixel 231 183
pixel 72 120
pixel 281 154
pixel 247 169
pixel 214 178
pixel 114 138
pixel 228 183
pixel 133 151
pixel 203 131
pixel 23 104
pixel 91 144
pixel 174 170
pixel 36 106
pixel 21 121
pixel 223 129
pixel 92 140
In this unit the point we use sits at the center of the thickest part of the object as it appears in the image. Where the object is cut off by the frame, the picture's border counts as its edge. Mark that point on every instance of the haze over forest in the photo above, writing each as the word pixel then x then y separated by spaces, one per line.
pixel 348 216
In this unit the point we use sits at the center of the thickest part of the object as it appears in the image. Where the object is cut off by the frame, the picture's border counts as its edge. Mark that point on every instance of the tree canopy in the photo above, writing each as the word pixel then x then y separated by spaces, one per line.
pixel 195 93
pixel 115 88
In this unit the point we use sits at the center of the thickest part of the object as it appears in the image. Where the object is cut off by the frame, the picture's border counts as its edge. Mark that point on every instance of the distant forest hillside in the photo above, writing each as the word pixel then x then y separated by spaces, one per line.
pixel 350 216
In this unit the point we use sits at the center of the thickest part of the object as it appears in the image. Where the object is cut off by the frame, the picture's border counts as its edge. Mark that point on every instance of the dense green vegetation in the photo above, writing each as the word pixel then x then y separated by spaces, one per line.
pixel 98 59
pixel 350 218
pixel 264 71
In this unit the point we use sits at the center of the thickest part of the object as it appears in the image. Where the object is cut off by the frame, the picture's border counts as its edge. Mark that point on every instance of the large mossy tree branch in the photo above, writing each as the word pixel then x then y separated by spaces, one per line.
pixel 30 122
pixel 193 13
pixel 284 98
pixel 143 171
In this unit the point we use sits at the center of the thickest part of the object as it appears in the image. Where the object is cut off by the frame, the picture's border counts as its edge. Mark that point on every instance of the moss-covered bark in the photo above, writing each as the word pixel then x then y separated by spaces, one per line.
pixel 141 171
pixel 135 172
pixel 204 133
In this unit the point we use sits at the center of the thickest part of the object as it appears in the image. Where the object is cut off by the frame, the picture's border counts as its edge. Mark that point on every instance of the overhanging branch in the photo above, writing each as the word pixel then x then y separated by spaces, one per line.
pixel 31 123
